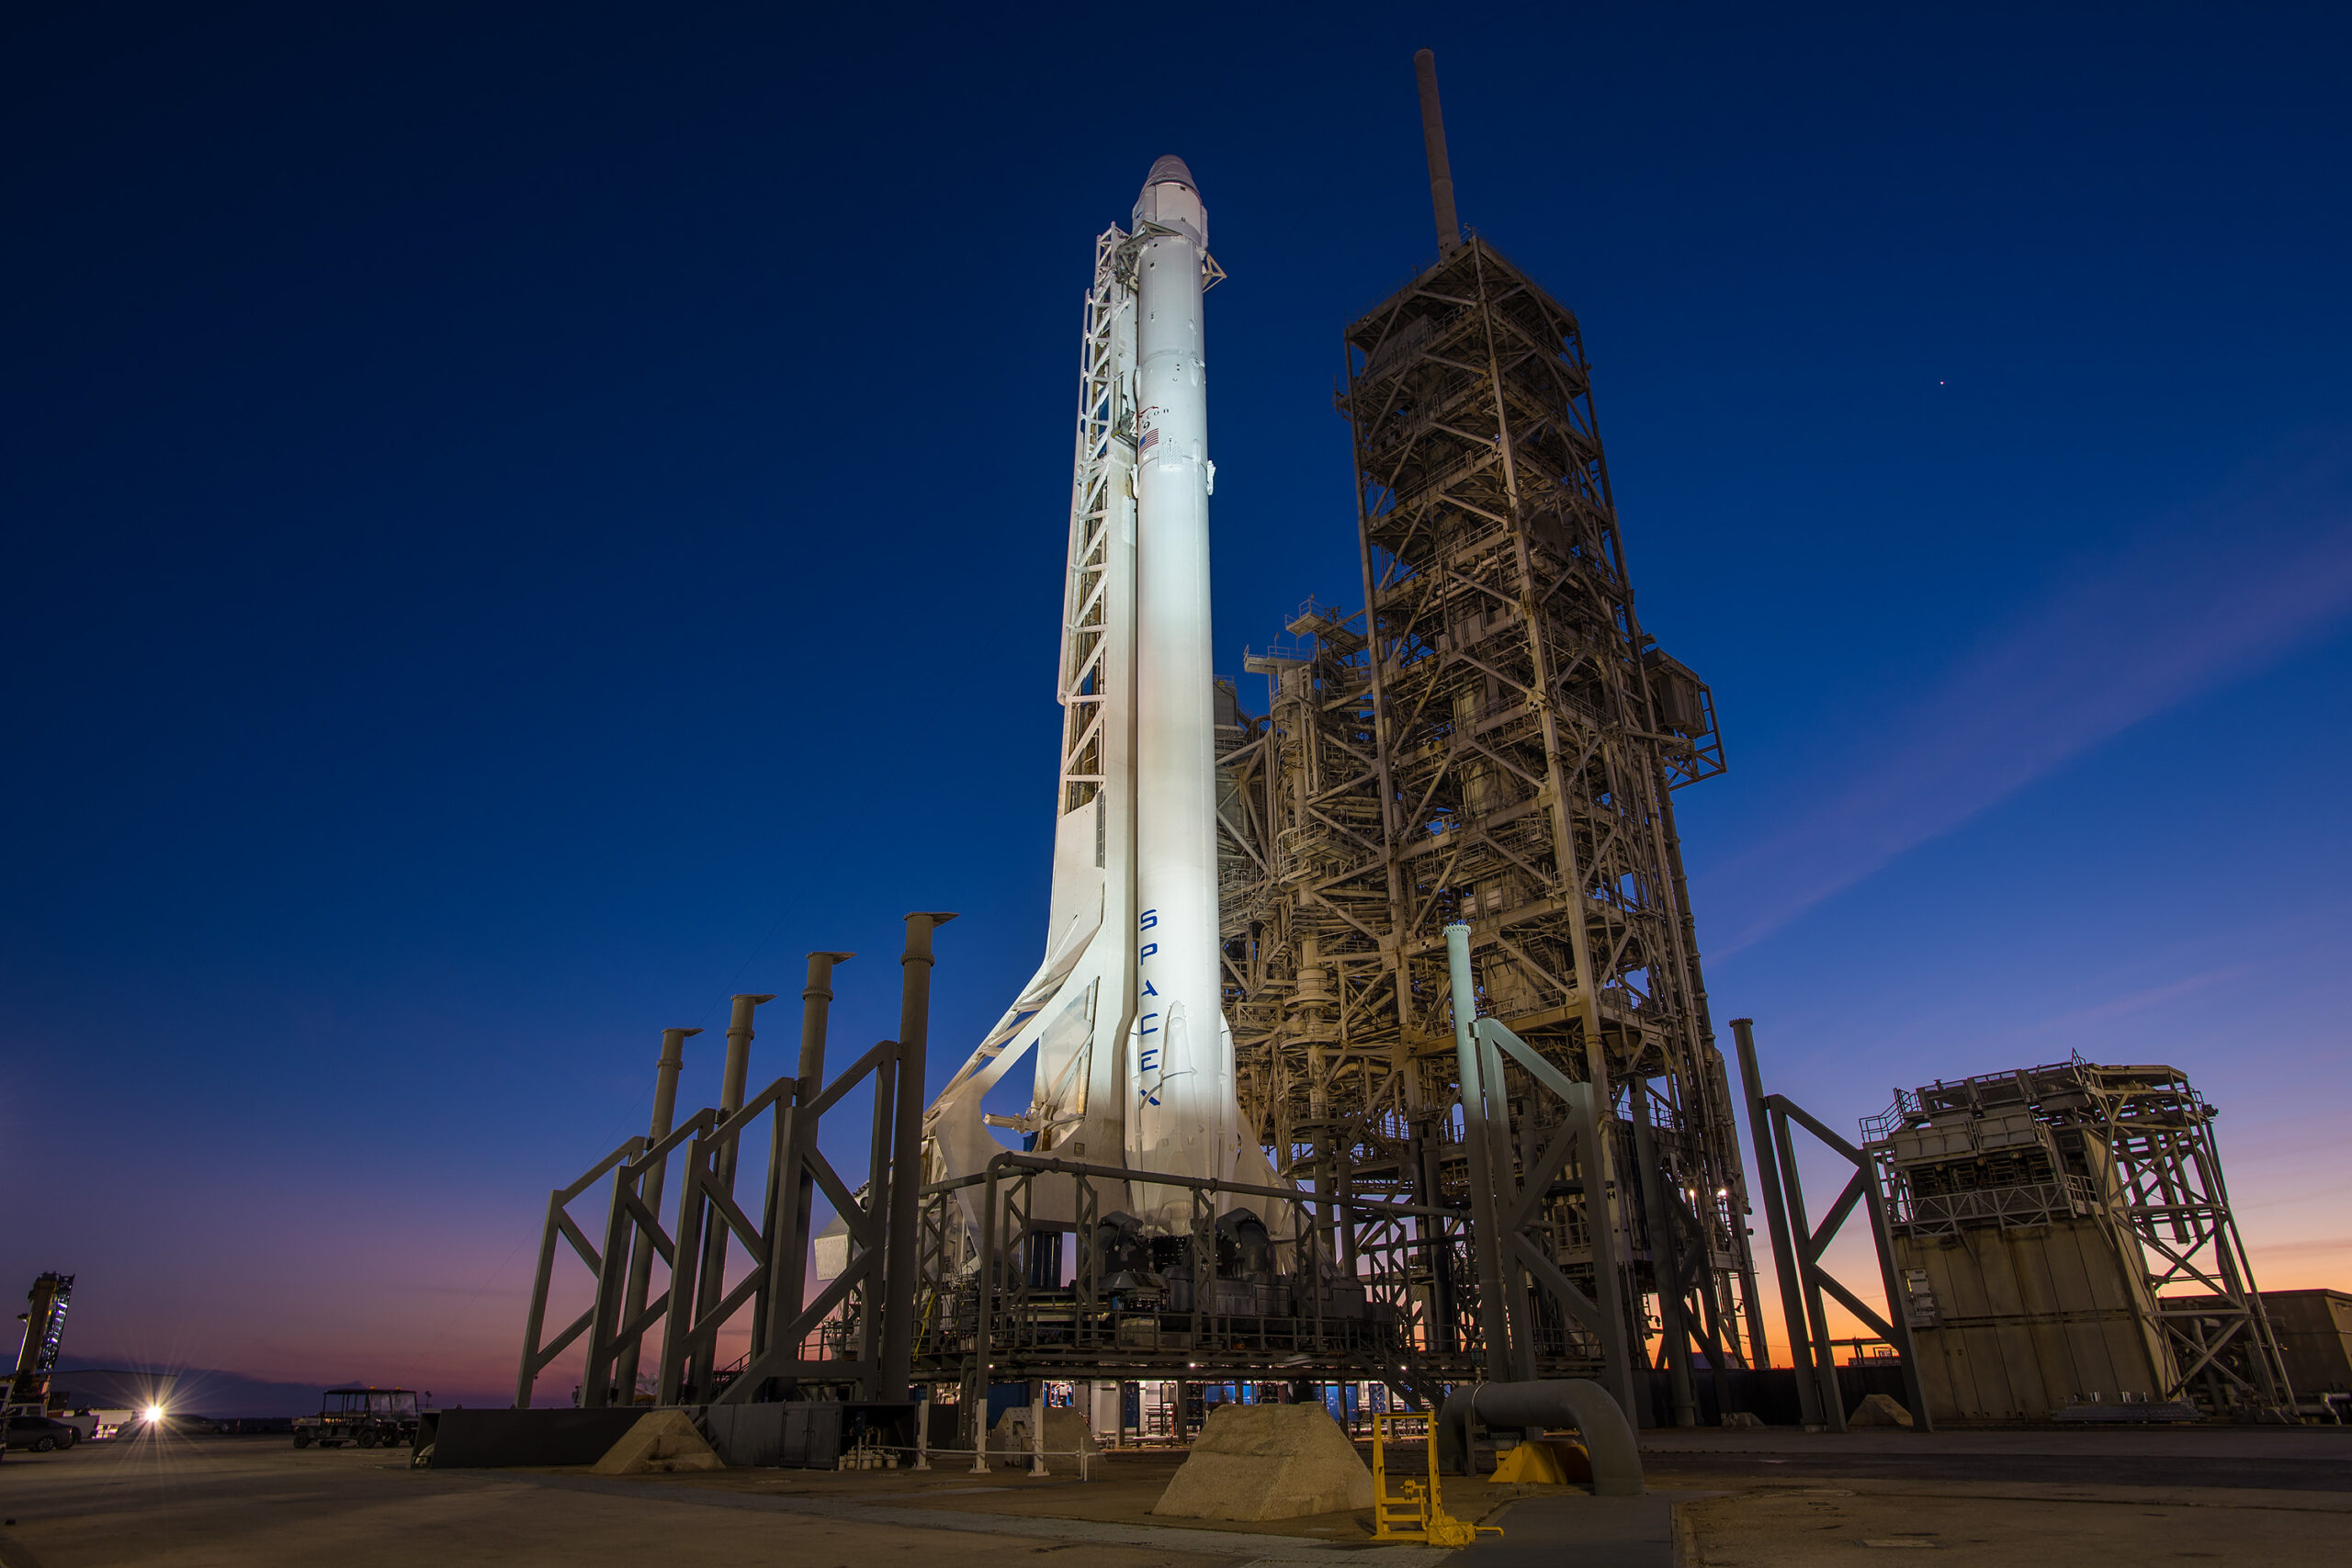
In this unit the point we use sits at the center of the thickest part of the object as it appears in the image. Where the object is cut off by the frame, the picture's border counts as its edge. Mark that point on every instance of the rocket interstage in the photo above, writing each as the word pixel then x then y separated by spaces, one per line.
pixel 1125 1019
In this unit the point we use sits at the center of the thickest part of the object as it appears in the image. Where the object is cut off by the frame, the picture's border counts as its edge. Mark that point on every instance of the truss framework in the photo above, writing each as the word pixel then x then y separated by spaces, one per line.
pixel 1105 413
pixel 1492 741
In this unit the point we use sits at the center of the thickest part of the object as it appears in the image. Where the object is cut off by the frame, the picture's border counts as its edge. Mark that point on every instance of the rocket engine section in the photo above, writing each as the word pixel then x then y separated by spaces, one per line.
pixel 1124 1018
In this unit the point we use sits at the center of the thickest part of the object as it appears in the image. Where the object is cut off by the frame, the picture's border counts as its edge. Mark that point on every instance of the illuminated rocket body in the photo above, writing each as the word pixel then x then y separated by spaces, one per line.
pixel 1125 1017
pixel 1181 1111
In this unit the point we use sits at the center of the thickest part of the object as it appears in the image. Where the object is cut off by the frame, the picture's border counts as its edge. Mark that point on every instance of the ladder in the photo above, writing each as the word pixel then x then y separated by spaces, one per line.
pixel 1414 1510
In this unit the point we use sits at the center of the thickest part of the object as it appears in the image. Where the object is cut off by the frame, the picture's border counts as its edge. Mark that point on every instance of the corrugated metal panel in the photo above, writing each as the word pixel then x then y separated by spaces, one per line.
pixel 2026 1318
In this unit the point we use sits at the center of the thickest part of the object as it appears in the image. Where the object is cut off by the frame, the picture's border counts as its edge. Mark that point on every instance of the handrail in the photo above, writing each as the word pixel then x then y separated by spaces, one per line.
pixel 1015 1159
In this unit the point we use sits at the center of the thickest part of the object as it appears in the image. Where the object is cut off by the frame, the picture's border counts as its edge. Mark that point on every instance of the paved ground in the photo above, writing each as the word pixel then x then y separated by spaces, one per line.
pixel 1578 1532
pixel 260 1503
pixel 1719 1499
pixel 2307 1459
pixel 2239 1495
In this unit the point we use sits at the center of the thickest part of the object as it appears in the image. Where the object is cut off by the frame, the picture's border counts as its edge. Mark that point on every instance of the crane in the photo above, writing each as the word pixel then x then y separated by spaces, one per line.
pixel 44 1321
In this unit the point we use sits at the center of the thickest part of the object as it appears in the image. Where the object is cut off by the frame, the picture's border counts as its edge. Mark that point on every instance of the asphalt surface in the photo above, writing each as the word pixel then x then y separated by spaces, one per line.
pixel 2279 1472
pixel 1587 1533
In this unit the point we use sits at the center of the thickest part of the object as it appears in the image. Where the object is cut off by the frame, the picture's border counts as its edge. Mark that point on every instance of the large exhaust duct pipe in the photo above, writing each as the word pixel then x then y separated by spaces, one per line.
pixel 1534 1407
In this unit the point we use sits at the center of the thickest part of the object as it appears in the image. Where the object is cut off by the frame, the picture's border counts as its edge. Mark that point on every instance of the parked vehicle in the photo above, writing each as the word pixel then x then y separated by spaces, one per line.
pixel 114 1421
pixel 364 1418
pixel 41 1434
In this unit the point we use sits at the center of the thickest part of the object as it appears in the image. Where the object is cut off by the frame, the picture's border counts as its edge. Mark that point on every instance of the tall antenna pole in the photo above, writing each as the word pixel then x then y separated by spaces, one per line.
pixel 1448 227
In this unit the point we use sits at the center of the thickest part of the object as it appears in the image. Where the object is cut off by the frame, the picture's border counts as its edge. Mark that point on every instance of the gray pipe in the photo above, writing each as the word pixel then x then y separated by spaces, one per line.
pixel 1570 1402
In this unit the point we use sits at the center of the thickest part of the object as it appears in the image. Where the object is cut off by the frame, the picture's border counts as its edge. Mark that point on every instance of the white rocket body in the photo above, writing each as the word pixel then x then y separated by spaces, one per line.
pixel 1133 1059
pixel 1180 1105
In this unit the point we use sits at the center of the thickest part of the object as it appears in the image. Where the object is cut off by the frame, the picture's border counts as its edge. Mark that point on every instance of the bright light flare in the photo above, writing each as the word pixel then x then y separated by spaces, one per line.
pixel 153 1414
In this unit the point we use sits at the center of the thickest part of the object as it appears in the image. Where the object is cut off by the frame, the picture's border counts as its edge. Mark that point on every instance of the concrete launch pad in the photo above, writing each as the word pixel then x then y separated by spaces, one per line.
pixel 1719 1499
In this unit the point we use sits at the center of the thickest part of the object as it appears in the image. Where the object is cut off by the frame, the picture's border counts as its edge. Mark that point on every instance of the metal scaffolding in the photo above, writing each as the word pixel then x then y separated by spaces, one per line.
pixel 1493 740
pixel 792 1340
pixel 2064 1235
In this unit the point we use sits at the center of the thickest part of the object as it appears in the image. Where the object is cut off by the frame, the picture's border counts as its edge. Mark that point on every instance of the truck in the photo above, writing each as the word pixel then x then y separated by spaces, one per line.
pixel 364 1418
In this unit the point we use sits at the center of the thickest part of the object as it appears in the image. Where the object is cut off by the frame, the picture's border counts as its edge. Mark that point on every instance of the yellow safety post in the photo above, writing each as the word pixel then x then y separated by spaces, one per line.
pixel 1415 1510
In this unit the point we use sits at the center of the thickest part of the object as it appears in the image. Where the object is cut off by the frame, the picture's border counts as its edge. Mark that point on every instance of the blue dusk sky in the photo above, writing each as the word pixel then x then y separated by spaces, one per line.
pixel 521 521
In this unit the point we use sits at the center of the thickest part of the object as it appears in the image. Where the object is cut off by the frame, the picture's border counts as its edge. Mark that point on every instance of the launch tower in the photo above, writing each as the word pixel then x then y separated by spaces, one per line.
pixel 1496 740
pixel 1248 1106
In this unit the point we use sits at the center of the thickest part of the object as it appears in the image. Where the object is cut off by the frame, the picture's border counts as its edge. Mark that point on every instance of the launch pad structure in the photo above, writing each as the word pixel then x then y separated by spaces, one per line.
pixel 1490 743
pixel 1371 1042
pixel 1443 1102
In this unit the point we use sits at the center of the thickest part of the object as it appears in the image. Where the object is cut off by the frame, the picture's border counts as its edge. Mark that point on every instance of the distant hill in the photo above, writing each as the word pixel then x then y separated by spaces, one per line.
pixel 203 1391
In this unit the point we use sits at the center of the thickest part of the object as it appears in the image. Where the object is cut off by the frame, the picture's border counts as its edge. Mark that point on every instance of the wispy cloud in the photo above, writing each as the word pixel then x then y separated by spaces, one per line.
pixel 2137 1001
pixel 2323 1244
pixel 2210 600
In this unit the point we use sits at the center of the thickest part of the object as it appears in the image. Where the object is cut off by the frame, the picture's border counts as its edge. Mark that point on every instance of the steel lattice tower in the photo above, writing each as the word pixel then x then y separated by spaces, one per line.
pixel 1494 740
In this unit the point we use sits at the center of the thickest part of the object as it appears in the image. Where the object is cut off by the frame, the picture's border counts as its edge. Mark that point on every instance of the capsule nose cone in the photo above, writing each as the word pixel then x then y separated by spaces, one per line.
pixel 1171 201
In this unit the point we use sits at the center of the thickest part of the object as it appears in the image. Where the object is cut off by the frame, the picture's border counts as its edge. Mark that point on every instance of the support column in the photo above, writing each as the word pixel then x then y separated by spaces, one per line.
pixel 872 1321
pixel 1898 1304
pixel 712 1284
pixel 901 1266
pixel 1825 1354
pixel 990 1277
pixel 1666 1261
pixel 1486 1240
pixel 641 1261
pixel 1776 1220
pixel 791 1191
pixel 1494 1090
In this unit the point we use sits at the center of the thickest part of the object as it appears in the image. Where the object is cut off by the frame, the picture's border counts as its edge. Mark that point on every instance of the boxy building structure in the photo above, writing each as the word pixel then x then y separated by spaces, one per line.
pixel 2064 1238
pixel 2314 1333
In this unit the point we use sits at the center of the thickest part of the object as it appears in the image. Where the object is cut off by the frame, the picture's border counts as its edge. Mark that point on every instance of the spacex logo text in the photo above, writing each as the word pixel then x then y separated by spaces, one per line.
pixel 1147 1022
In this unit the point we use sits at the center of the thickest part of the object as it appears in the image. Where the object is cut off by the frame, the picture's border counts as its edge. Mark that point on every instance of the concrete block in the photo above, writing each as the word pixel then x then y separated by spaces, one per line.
pixel 660 1442
pixel 1878 1410
pixel 1268 1462
pixel 1066 1432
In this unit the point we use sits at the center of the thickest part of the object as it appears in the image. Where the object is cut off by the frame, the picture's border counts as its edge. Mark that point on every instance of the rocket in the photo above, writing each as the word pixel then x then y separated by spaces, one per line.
pixel 1124 1018
pixel 1182 1112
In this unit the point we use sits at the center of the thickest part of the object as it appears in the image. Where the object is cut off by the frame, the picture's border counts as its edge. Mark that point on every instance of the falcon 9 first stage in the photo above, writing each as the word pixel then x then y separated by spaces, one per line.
pixel 1125 1017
